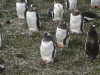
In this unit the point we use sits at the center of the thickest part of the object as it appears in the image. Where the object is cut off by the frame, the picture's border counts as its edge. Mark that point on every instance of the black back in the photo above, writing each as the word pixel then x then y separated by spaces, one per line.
pixel 92 43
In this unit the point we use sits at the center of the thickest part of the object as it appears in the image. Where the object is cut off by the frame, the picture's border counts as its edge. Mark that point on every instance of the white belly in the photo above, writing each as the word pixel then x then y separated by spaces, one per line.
pixel 20 8
pixel 75 24
pixel 95 2
pixel 72 4
pixel 31 20
pixel 58 12
pixel 46 50
pixel 60 35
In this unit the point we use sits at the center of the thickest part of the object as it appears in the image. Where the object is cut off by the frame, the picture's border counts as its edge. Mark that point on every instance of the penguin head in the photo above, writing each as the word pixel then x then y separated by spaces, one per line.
pixel 20 1
pixel 92 28
pixel 47 37
pixel 33 6
pixel 62 25
pixel 75 12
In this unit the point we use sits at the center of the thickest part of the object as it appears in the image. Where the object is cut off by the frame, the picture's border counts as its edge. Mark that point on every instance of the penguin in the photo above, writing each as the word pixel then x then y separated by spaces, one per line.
pixel 58 12
pixel 95 3
pixel 62 34
pixel 71 4
pixel 32 18
pixel 76 22
pixel 50 12
pixel 89 16
pixel 92 43
pixel 21 8
pixel 0 40
pixel 47 48
pixel 2 68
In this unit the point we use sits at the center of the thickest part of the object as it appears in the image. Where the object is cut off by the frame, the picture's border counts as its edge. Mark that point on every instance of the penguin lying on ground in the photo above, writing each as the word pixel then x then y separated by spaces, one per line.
pixel 89 16
pixel 62 34
pixel 76 22
pixel 58 12
pixel 92 43
pixel 32 18
pixel 21 7
pixel 95 3
pixel 47 48
pixel 71 4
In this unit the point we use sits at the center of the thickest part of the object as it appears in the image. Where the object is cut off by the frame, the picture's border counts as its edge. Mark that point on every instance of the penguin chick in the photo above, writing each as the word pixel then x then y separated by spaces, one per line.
pixel 62 34
pixel 71 4
pixel 32 18
pixel 47 48
pixel 21 8
pixel 89 16
pixel 58 12
pixel 95 3
pixel 76 22
pixel 92 43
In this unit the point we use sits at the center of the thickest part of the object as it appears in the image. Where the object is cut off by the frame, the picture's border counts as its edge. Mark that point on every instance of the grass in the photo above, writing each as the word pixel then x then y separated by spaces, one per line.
pixel 21 49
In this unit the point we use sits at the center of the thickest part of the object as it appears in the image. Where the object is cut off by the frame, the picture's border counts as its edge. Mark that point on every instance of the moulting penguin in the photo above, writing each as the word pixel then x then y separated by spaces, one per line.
pixel 92 43
pixel 33 20
pixel 62 34
pixel 71 4
pixel 47 48
pixel 89 16
pixel 76 22
pixel 58 12
pixel 21 7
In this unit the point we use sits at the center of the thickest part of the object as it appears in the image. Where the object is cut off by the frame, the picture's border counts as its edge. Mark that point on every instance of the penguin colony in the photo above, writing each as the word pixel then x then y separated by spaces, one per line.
pixel 63 30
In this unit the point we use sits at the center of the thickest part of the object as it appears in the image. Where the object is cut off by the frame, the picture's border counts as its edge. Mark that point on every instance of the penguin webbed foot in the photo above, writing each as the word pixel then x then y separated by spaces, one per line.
pixel 46 61
pixel 59 45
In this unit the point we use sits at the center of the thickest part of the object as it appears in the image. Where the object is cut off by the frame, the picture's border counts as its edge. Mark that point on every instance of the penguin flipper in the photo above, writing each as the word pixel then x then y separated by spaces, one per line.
pixel 38 22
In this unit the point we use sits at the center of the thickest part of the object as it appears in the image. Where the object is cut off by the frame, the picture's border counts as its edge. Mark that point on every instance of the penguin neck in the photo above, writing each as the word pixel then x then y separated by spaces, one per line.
pixel 20 1
pixel 31 10
pixel 75 14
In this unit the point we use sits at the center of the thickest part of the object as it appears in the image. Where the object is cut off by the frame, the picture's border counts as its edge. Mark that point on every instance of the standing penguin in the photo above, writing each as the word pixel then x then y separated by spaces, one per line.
pixel 47 48
pixel 32 18
pixel 0 40
pixel 95 3
pixel 89 16
pixel 21 8
pixel 71 4
pixel 76 22
pixel 58 12
pixel 62 34
pixel 92 43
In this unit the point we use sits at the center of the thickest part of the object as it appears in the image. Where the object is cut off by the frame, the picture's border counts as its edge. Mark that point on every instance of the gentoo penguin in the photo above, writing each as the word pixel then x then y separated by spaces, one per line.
pixel 2 68
pixel 89 16
pixel 0 40
pixel 71 4
pixel 95 3
pixel 62 34
pixel 32 18
pixel 21 8
pixel 76 22
pixel 58 12
pixel 92 43
pixel 47 48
